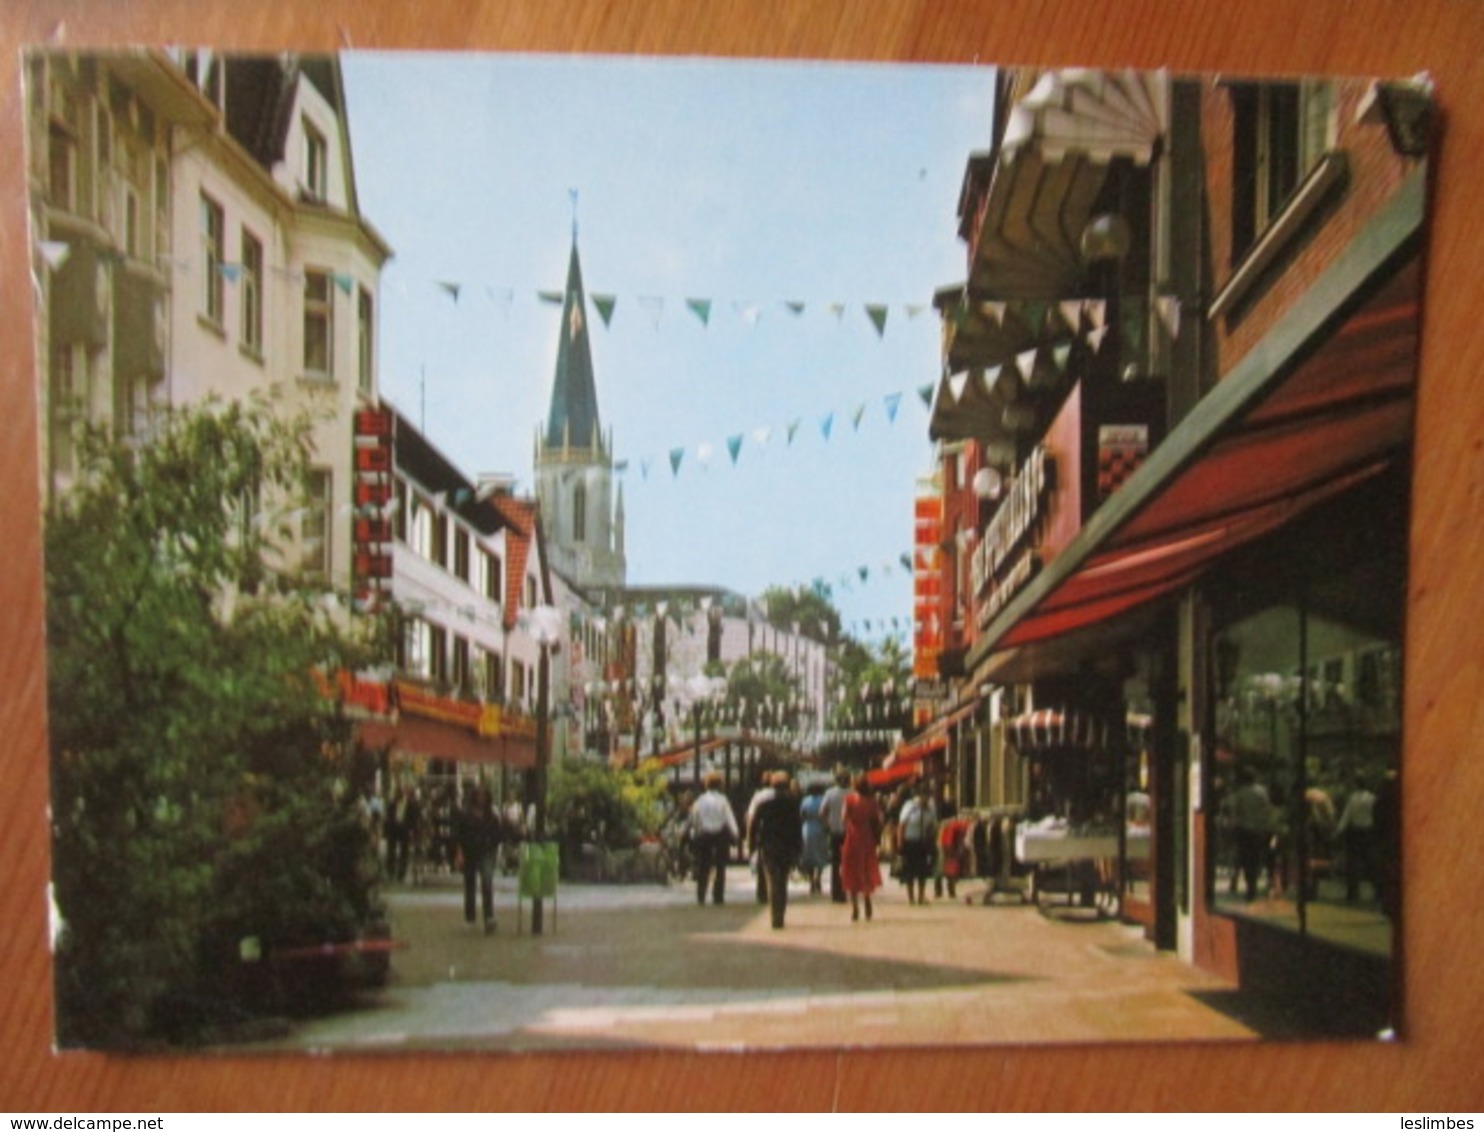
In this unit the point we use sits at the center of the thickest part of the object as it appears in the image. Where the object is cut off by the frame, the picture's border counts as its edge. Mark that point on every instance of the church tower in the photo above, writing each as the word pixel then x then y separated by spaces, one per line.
pixel 574 460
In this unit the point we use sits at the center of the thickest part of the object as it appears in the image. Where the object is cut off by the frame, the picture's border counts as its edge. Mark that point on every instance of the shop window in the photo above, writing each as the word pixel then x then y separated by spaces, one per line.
pixel 1306 741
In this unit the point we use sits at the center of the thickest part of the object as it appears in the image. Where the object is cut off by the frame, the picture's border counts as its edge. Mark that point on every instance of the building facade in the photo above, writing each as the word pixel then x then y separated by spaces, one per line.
pixel 1176 433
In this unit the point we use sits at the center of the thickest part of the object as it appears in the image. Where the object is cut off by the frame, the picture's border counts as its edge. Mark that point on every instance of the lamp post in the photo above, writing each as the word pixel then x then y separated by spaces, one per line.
pixel 545 628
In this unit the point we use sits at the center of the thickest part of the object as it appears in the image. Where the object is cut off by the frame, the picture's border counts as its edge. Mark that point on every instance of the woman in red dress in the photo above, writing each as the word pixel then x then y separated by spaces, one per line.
pixel 860 872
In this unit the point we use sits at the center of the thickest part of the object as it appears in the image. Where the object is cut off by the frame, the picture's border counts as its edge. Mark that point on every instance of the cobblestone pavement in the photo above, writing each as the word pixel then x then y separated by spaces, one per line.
pixel 644 966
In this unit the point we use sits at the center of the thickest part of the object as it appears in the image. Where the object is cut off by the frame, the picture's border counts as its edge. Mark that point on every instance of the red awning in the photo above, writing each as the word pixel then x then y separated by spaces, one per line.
pixel 890 776
pixel 1251 458
pixel 934 737
pixel 1052 728
pixel 413 735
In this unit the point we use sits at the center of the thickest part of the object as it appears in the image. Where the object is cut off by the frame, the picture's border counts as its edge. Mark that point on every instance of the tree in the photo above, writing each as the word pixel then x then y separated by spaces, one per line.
pixel 196 761
pixel 806 610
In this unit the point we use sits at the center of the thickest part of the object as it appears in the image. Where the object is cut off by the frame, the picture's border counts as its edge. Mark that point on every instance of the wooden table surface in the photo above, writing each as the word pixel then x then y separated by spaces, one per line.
pixel 1435 1069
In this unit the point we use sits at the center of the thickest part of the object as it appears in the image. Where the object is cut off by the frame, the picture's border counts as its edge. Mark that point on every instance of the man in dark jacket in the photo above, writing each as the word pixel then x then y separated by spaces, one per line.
pixel 777 833
pixel 477 829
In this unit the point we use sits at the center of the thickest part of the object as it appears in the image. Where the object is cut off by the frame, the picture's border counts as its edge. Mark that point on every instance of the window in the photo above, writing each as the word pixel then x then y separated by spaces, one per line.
pixel 162 207
pixel 365 328
pixel 461 553
pixel 103 168
pixel 517 683
pixel 133 223
pixel 438 546
pixel 1281 132
pixel 319 325
pixel 130 405
pixel 252 293
pixel 579 513
pixel 437 653
pixel 315 162
pixel 494 578
pixel 530 592
pixel 212 256
pixel 62 167
pixel 399 510
pixel 494 678
pixel 315 531
pixel 460 674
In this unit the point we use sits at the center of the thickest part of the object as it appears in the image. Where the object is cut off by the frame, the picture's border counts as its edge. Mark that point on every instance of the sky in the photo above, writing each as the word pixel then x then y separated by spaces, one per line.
pixel 747 185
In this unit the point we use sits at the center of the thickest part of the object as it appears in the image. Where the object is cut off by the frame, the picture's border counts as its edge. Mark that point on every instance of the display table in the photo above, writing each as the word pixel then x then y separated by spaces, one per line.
pixel 1054 847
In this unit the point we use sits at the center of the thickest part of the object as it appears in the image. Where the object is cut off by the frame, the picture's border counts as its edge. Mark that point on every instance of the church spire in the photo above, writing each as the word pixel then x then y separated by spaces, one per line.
pixel 574 397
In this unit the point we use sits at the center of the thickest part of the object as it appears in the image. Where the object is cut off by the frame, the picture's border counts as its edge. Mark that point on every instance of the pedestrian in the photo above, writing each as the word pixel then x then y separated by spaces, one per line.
pixel 513 829
pixel 1251 818
pixel 860 868
pixel 477 830
pixel 1356 829
pixel 816 855
pixel 777 835
pixel 403 824
pixel 761 795
pixel 713 830
pixel 833 812
pixel 917 834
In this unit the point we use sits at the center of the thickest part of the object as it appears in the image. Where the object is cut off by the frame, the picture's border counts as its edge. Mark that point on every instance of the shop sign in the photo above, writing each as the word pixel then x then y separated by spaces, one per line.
pixel 1017 516
pixel 1121 449
pixel 1003 589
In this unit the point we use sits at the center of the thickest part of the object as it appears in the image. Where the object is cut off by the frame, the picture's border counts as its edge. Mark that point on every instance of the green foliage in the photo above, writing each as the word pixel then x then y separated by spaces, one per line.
pixel 589 798
pixel 763 689
pixel 193 792
pixel 805 607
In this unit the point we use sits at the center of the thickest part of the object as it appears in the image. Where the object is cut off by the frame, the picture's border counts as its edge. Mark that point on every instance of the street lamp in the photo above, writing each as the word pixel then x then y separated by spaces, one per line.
pixel 545 625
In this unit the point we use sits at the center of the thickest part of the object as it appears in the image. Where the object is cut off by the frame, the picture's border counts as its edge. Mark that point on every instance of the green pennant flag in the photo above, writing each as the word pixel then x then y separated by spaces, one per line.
pixel 1033 314
pixel 734 446
pixel 1061 354
pixel 926 393
pixel 855 417
pixel 876 312
pixel 676 455
pixel 793 427
pixel 452 289
pixel 701 308
pixel 552 297
pixel 794 307
pixel 605 305
pixel 906 560
pixel 864 572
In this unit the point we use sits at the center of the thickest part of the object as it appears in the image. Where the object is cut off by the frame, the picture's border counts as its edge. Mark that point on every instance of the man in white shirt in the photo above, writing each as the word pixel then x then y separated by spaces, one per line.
pixel 832 813
pixel 713 829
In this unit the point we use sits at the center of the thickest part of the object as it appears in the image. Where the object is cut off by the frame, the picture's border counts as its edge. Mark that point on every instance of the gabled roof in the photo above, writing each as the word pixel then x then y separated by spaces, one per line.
pixel 574 397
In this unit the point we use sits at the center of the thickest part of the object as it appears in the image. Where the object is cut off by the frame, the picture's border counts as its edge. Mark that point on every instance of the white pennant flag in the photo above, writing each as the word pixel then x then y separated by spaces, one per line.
pixel 1097 312
pixel 55 252
pixel 1169 313
pixel 992 378
pixel 1025 362
pixel 762 435
pixel 957 382
pixel 1095 337
pixel 994 311
pixel 1071 313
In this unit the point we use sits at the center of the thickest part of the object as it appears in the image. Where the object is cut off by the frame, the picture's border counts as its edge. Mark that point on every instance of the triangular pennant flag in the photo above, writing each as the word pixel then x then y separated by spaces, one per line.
pixel 877 314
pixel 1060 355
pixel 343 280
pixel 1095 337
pixel 749 312
pixel 906 560
pixel 926 393
pixel 1097 311
pixel 794 307
pixel 893 401
pixel 676 455
pixel 644 465
pixel 994 311
pixel 701 308
pixel 793 427
pixel 1133 329
pixel 55 252
pixel 762 435
pixel 1169 313
pixel 552 298
pixel 703 452
pixel 827 424
pixel 855 417
pixel 990 378
pixel 1025 362
pixel 1033 314
pixel 451 288
pixel 605 305
pixel 655 305
pixel 734 446
pixel 956 384
pixel 232 272
pixel 864 572
pixel 837 309
pixel 1071 313
pixel 915 309
pixel 620 466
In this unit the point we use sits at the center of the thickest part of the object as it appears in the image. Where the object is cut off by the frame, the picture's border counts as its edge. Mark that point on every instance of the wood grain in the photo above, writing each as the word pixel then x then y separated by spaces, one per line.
pixel 1435 1069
